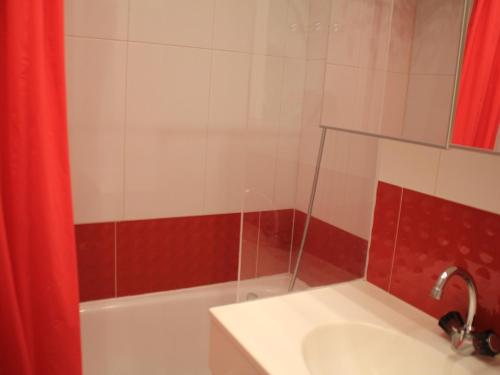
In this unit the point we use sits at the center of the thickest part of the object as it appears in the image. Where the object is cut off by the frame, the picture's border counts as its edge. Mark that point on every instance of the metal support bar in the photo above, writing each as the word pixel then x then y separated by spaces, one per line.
pixel 309 209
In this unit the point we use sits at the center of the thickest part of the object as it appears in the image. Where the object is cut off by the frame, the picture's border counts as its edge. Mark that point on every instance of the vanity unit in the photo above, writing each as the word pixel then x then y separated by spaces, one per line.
pixel 349 328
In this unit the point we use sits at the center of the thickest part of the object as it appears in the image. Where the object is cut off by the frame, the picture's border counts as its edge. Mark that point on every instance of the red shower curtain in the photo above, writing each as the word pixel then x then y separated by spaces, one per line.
pixel 39 321
pixel 478 111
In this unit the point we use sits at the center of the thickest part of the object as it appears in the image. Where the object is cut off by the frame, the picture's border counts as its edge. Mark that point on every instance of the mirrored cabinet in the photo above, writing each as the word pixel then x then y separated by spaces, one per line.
pixel 421 71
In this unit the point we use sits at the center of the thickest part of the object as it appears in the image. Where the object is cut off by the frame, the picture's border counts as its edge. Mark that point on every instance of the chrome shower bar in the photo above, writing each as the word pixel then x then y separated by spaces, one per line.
pixel 324 129
pixel 309 209
pixel 381 136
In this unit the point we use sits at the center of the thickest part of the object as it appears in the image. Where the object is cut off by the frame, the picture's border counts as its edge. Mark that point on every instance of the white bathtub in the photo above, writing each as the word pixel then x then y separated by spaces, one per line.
pixel 160 333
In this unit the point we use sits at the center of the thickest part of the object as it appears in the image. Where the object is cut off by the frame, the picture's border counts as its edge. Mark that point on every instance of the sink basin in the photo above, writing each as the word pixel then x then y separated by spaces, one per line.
pixel 358 348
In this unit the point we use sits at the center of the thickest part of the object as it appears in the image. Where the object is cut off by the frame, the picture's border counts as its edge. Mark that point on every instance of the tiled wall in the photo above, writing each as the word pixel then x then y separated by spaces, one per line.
pixel 447 203
pixel 462 176
pixel 416 236
pixel 144 256
pixel 193 110
pixel 266 243
pixel 391 65
pixel 344 197
pixel 331 255
pixel 431 75
pixel 184 107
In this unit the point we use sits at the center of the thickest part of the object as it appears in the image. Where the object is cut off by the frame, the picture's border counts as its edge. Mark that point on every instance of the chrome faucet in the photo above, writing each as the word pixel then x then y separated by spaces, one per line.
pixel 461 338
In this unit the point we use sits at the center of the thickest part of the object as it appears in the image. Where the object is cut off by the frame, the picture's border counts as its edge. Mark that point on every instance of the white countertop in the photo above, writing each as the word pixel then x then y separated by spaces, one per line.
pixel 270 331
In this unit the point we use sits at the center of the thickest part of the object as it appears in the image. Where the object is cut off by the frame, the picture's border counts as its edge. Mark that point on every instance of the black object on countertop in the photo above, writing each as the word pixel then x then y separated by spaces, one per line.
pixel 486 343
pixel 451 322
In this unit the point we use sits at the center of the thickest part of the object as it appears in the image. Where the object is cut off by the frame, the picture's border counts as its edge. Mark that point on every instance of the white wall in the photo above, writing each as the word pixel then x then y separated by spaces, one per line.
pixel 353 164
pixel 347 179
pixel 176 107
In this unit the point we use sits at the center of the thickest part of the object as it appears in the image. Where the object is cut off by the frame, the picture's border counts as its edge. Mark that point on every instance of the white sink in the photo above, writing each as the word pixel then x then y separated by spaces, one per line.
pixel 344 329
pixel 357 348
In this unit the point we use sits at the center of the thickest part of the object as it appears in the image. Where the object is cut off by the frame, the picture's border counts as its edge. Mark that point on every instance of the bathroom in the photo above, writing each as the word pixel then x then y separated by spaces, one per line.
pixel 195 187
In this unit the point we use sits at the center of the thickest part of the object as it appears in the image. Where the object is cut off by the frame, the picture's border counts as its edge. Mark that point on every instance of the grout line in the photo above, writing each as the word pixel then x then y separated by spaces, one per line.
pixel 438 170
pixel 124 150
pixel 372 218
pixel 116 257
pixel 258 246
pixel 300 130
pixel 387 58
pixel 395 240
pixel 291 241
pixel 251 53
pixel 377 166
pixel 240 246
pixel 383 70
pixel 279 127
pixel 207 123
pixel 97 37
pixel 125 116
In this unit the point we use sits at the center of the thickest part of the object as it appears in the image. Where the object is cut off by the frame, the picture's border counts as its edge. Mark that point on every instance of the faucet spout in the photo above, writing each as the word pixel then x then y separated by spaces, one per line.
pixel 441 282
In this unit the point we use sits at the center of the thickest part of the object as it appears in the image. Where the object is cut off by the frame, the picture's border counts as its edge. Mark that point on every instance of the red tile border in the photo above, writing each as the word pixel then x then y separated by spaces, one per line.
pixel 174 253
pixel 275 236
pixel 164 254
pixel 95 245
pixel 249 245
pixel 433 234
pixel 383 238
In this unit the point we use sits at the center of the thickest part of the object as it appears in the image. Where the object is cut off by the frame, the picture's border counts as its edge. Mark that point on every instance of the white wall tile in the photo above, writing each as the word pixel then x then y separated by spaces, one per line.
pixel 167 87
pixel 286 170
pixel 226 150
pixel 229 90
pixel 340 95
pixel 96 107
pixel 234 25
pixel 260 168
pixel 371 86
pixel 361 170
pixel 347 180
pixel 403 20
pixel 165 172
pixel 319 24
pixel 428 106
pixel 225 174
pixel 411 166
pixel 167 115
pixel 393 117
pixel 96 18
pixel 331 191
pixel 471 178
pixel 271 27
pixel 298 24
pixel 292 95
pixel 436 37
pixel 177 22
pixel 345 32
pixel 265 91
pixel 374 25
pixel 313 92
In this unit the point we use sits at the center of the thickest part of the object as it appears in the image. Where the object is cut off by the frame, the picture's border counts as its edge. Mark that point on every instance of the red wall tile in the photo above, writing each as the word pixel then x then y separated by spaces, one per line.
pixel 434 234
pixel 249 245
pixel 95 244
pixel 165 254
pixel 275 237
pixel 383 239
